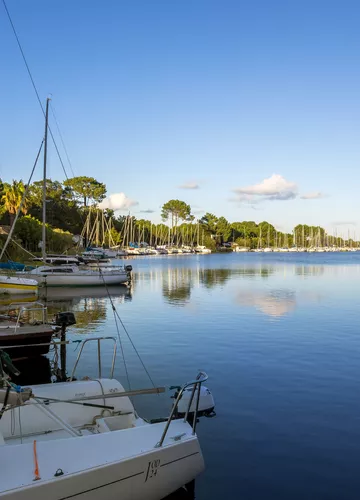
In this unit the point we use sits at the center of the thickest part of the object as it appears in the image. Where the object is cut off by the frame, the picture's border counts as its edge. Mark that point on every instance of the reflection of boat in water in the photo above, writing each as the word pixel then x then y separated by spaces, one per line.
pixel 6 300
pixel 63 294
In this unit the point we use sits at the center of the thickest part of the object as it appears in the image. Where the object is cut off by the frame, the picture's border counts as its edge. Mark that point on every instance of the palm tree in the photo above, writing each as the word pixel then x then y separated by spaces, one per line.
pixel 13 194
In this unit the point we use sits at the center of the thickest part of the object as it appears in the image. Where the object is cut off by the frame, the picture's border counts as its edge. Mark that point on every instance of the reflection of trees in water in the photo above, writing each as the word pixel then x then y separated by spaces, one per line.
pixel 89 313
pixel 178 282
pixel 213 277
pixel 176 286
pixel 309 270
pixel 263 272
pixel 274 303
pixel 89 306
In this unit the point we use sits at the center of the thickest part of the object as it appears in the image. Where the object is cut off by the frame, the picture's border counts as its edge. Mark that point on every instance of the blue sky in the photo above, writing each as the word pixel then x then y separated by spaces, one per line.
pixel 224 95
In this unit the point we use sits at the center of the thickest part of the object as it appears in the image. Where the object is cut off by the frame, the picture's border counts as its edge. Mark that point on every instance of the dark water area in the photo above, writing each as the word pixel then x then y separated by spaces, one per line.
pixel 278 335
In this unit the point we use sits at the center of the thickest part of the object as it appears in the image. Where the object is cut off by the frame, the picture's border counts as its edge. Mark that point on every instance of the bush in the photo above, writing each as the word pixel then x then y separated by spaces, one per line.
pixel 28 231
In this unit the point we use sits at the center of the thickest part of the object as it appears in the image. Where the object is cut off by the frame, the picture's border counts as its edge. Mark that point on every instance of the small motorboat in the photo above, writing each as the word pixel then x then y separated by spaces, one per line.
pixel 24 331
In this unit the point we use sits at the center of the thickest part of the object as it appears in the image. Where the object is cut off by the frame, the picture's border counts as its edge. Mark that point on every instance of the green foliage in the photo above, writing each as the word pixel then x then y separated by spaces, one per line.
pixel 28 231
pixel 209 221
pixel 69 203
pixel 176 210
pixel 86 190
pixel 54 192
pixel 223 228
pixel 11 198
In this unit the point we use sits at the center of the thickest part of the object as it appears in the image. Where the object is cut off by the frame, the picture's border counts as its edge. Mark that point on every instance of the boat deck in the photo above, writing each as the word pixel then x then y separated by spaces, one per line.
pixel 8 330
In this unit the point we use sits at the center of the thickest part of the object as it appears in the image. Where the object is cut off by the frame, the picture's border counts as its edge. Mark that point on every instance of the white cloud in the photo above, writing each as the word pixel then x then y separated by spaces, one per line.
pixel 273 188
pixel 189 185
pixel 312 196
pixel 148 211
pixel 117 201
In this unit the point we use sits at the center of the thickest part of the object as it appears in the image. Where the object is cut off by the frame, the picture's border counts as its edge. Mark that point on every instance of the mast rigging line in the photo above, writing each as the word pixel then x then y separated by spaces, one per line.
pixel 9 237
pixel 116 314
pixel 61 138
pixel 33 84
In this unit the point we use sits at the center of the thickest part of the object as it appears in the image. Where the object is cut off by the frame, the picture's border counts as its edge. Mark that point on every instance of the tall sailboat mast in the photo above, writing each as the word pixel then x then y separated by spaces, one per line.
pixel 44 184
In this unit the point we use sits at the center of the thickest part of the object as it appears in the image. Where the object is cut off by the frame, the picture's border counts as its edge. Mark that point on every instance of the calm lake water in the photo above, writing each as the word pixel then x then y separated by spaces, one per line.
pixel 278 335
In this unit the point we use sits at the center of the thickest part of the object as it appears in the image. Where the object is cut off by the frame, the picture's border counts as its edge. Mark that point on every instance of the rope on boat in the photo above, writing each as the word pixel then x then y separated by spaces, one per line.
pixel 5 401
pixel 36 470
pixel 116 315
pixel 9 236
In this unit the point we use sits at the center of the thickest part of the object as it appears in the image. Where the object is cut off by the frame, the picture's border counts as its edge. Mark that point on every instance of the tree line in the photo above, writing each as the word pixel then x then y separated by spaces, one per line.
pixel 68 205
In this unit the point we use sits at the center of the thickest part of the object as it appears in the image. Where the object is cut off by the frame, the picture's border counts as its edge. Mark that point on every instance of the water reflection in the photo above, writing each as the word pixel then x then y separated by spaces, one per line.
pixel 89 305
pixel 177 283
pixel 214 277
pixel 309 270
pixel 176 286
pixel 274 303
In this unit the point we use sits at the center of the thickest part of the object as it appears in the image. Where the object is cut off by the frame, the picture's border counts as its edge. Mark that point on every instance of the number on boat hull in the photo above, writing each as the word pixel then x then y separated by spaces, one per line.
pixel 152 469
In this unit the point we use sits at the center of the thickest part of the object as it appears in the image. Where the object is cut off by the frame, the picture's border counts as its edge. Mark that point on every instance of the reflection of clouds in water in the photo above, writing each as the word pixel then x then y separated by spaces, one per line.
pixel 309 270
pixel 274 303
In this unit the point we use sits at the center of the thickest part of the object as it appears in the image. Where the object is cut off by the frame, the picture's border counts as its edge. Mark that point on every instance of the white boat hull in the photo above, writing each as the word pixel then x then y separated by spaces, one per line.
pixel 72 276
pixel 95 279
pixel 107 461
pixel 150 476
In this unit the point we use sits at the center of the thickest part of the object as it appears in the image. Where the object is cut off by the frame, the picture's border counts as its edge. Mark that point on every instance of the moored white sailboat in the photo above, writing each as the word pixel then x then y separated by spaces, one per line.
pixel 74 276
pixel 84 439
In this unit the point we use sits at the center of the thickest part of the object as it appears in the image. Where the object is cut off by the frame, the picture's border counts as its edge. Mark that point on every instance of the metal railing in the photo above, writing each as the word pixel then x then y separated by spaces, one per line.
pixel 98 340
pixel 202 377
pixel 35 306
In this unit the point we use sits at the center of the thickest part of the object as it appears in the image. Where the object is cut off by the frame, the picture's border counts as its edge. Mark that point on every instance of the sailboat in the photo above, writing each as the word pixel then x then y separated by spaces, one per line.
pixel 71 275
pixel 84 439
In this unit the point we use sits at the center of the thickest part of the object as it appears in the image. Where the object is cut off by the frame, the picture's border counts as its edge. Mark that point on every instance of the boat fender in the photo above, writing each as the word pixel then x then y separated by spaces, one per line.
pixel 206 402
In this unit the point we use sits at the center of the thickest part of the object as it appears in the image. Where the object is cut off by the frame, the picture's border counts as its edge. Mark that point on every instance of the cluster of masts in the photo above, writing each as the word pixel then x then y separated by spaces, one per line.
pixel 140 240
pixel 315 241
pixel 299 249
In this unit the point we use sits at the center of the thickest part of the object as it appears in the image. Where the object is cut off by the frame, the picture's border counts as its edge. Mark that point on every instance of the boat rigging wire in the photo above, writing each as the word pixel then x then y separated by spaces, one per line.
pixel 33 84
pixel 61 138
pixel 22 248
pixel 9 237
pixel 116 314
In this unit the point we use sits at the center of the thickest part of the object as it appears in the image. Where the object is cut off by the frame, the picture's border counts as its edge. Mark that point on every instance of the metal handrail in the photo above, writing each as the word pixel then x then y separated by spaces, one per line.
pixel 202 377
pixel 98 339
pixel 23 308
